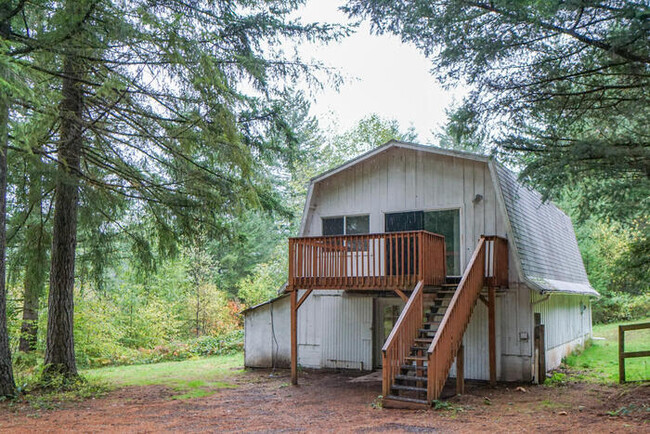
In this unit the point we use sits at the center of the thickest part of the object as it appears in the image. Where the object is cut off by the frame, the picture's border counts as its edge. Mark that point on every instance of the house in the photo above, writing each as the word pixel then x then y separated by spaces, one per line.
pixel 426 263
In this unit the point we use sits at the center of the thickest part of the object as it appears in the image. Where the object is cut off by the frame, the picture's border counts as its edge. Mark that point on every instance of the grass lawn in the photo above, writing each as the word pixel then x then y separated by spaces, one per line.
pixel 599 362
pixel 191 378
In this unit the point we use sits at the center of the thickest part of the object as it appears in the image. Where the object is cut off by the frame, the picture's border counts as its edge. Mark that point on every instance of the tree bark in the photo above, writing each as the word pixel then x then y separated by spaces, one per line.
pixel 35 269
pixel 59 351
pixel 7 384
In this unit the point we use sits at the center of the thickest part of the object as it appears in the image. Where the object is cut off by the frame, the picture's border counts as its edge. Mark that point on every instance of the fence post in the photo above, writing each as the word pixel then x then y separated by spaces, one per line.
pixel 621 358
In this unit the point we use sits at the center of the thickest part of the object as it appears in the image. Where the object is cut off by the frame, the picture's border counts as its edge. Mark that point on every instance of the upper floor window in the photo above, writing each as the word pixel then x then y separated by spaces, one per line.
pixel 346 225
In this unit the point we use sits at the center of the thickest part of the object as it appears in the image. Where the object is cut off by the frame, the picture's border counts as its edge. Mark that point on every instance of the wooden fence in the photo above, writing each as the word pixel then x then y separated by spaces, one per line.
pixel 622 354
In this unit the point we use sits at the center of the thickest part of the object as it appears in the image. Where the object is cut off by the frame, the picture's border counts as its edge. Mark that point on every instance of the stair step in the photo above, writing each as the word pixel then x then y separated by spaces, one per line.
pixel 424 340
pixel 418 348
pixel 416 358
pixel 414 367
pixel 428 330
pixel 408 388
pixel 394 401
pixel 441 310
pixel 411 378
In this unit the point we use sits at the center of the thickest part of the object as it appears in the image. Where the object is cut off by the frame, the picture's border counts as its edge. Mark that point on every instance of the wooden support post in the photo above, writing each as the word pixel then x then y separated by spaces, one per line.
pixel 294 337
pixel 538 321
pixel 402 295
pixel 460 370
pixel 621 358
pixel 540 348
pixel 492 334
pixel 303 298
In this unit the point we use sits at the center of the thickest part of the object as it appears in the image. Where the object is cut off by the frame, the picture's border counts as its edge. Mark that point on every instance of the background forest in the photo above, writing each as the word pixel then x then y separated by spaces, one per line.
pixel 158 154
pixel 131 309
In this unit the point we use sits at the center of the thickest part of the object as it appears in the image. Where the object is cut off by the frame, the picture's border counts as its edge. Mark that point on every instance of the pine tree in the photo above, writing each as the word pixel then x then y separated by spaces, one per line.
pixel 152 111
pixel 7 384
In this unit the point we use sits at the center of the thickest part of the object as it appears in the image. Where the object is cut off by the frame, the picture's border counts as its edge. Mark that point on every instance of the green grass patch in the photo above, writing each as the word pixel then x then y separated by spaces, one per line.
pixel 599 361
pixel 193 378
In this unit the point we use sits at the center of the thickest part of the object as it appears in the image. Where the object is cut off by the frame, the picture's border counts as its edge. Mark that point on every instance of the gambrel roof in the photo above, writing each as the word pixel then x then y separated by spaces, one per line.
pixel 541 236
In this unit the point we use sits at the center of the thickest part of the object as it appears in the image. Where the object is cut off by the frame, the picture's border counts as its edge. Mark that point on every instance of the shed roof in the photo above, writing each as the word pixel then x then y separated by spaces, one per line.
pixel 545 244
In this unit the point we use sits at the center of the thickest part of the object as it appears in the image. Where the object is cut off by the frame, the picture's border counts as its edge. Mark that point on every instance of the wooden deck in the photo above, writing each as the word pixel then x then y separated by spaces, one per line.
pixel 384 261
pixel 418 354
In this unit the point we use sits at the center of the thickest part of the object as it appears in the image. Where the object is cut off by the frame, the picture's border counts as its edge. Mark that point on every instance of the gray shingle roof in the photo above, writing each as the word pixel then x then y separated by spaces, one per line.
pixel 544 238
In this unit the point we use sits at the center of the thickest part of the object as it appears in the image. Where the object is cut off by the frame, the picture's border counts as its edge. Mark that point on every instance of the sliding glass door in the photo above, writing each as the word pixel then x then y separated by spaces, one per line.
pixel 443 222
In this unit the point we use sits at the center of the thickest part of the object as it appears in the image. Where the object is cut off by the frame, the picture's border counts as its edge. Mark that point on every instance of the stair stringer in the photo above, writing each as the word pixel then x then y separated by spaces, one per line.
pixel 449 337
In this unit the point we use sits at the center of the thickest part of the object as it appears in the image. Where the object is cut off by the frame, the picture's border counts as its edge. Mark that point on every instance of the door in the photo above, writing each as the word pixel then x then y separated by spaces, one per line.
pixel 387 311
pixel 444 222
pixel 397 259
pixel 347 332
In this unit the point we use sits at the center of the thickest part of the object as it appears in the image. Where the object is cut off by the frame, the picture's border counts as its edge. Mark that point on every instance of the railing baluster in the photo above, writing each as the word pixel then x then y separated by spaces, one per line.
pixel 369 261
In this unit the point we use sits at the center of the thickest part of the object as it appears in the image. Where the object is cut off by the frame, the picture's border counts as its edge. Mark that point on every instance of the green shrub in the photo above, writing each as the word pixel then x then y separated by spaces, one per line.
pixel 218 346
pixel 620 307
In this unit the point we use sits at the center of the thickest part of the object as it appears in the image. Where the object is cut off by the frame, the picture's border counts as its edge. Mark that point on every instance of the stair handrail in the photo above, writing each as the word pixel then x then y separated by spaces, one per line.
pixel 445 344
pixel 403 335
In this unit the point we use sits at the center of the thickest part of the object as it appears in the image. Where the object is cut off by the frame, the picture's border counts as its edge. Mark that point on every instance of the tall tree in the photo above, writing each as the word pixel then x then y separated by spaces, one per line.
pixel 561 85
pixel 34 251
pixel 7 384
pixel 153 109
pixel 59 351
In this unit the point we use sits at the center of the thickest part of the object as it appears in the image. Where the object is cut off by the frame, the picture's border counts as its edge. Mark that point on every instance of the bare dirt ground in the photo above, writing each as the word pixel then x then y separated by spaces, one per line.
pixel 327 401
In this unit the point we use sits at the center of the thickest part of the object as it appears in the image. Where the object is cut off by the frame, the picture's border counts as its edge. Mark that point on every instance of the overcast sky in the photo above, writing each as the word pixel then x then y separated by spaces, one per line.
pixel 382 75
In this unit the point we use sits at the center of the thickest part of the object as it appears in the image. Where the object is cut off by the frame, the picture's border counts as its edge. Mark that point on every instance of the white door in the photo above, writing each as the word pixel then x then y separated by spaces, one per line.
pixel 347 332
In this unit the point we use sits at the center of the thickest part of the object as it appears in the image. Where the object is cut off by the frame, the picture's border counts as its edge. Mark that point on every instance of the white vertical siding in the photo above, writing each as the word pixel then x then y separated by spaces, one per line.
pixel 567 323
pixel 406 180
pixel 476 342
pixel 267 341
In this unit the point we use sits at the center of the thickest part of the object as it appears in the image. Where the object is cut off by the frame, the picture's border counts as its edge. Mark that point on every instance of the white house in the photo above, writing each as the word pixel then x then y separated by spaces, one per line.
pixel 389 192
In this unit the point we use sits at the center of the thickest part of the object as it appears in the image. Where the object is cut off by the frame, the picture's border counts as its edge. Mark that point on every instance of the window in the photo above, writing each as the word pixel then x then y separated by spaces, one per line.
pixel 333 226
pixel 346 225
pixel 444 222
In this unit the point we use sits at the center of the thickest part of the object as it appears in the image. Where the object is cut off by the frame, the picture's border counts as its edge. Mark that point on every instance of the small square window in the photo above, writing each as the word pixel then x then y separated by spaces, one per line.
pixel 357 225
pixel 333 226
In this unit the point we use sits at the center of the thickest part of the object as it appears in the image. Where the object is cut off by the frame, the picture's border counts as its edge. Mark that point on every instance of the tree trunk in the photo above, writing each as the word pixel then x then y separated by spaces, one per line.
pixel 59 351
pixel 7 385
pixel 35 271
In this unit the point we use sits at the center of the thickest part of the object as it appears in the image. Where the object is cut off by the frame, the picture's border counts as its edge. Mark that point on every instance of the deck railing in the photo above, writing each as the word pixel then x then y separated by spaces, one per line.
pixel 445 345
pixel 401 338
pixel 396 260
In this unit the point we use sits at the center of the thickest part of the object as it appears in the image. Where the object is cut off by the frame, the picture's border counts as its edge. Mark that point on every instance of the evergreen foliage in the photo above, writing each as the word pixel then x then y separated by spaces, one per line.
pixel 559 88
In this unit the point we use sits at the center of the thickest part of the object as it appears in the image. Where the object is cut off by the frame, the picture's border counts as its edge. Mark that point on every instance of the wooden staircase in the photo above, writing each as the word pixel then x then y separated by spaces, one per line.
pixel 422 346
pixel 409 388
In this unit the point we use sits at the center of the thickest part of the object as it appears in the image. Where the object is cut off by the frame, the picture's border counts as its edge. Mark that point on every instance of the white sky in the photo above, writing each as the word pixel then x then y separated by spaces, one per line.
pixel 382 75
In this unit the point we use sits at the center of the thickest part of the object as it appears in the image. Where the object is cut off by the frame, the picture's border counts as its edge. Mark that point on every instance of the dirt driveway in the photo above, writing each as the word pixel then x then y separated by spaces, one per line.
pixel 328 401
